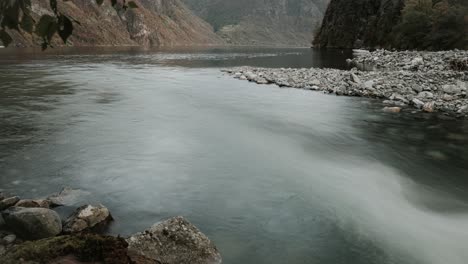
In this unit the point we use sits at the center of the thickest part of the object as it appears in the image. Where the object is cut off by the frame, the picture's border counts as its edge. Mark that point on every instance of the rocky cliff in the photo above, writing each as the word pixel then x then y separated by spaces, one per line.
pixel 358 23
pixel 262 22
pixel 153 23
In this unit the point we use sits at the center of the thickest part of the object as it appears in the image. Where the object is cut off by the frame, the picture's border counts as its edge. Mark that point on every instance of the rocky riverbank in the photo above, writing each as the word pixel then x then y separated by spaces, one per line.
pixel 428 81
pixel 32 232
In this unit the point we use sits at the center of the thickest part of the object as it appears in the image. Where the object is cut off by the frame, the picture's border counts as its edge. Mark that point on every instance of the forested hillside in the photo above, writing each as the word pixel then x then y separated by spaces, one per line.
pixel 401 24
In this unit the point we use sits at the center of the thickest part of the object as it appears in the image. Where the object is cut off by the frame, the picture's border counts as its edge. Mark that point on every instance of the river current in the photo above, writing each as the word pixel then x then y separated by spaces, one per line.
pixel 271 175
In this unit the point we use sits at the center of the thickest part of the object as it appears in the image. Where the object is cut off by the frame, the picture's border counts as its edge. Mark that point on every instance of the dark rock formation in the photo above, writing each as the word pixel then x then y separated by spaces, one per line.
pixel 359 23
pixel 153 23
pixel 89 248
pixel 259 22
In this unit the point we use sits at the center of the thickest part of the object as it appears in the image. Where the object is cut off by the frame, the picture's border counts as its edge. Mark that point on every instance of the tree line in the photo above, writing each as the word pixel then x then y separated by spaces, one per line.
pixel 432 25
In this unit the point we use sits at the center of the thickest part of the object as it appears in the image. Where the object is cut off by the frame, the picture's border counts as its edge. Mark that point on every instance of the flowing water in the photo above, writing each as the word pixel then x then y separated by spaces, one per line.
pixel 271 175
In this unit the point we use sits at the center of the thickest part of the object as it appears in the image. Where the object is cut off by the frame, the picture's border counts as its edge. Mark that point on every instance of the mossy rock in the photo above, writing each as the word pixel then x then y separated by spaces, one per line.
pixel 84 248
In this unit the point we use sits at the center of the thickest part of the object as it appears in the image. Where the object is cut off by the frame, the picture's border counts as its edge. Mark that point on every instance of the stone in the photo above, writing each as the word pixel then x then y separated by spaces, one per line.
pixel 8 202
pixel 243 78
pixel 250 76
pixel 33 203
pixel 392 109
pixel 451 89
pixel 369 84
pixel 425 94
pixel 174 241
pixel 417 61
pixel 418 103
pixel 2 250
pixel 9 239
pixel 67 196
pixel 355 78
pixel 428 107
pixel 261 81
pixel 463 109
pixel 315 82
pixel 417 88
pixel 87 218
pixel 447 97
pixel 33 223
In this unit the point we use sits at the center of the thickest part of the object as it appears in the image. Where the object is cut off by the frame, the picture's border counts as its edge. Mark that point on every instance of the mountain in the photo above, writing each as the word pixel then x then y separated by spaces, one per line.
pixel 358 23
pixel 400 24
pixel 262 22
pixel 153 23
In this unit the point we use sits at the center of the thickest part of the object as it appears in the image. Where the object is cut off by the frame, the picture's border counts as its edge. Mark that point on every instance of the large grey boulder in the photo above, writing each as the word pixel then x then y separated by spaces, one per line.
pixel 174 241
pixel 87 218
pixel 32 223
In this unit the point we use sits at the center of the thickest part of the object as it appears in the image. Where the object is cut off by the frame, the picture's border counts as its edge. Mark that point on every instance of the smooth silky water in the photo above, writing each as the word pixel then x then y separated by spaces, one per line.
pixel 271 175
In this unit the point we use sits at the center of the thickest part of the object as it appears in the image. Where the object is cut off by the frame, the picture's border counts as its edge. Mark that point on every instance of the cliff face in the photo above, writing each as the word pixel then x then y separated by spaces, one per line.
pixel 262 22
pixel 358 23
pixel 153 23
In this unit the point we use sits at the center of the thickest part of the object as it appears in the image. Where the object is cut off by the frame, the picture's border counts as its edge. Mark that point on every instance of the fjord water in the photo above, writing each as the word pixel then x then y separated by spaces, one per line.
pixel 271 175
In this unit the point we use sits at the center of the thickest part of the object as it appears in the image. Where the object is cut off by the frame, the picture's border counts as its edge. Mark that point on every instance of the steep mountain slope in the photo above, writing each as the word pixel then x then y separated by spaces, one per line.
pixel 400 24
pixel 153 23
pixel 262 22
pixel 357 23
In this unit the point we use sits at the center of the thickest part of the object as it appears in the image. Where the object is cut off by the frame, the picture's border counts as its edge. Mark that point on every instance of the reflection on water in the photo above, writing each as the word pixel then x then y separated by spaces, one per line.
pixel 271 175
pixel 188 57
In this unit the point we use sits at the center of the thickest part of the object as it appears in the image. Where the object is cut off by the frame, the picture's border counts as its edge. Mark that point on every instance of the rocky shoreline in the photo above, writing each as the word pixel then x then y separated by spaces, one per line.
pixel 32 232
pixel 428 81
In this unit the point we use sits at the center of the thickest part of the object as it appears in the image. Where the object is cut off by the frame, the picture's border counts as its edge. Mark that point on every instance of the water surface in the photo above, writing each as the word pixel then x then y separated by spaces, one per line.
pixel 271 175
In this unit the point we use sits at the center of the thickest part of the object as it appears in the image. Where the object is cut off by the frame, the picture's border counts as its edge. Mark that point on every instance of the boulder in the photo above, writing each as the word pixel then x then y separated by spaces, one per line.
pixel 33 223
pixel 8 202
pixel 33 203
pixel 172 242
pixel 87 218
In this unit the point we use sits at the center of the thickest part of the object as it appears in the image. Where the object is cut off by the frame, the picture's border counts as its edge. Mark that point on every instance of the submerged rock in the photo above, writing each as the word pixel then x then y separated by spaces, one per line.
pixel 32 223
pixel 87 218
pixel 172 242
pixel 67 196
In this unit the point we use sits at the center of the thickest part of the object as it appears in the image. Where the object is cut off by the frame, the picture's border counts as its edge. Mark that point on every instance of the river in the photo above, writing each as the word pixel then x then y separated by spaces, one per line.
pixel 271 175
